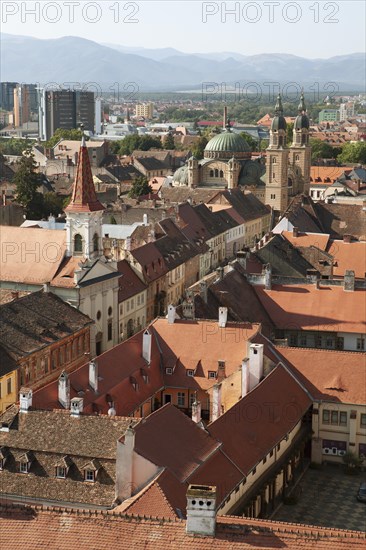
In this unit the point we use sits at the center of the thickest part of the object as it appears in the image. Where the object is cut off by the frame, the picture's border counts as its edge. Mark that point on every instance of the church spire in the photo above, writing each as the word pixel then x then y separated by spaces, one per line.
pixel 302 106
pixel 84 197
pixel 278 106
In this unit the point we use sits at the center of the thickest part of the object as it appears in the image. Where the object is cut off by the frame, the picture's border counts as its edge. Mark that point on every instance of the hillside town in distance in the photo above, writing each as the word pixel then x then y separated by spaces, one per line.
pixel 182 313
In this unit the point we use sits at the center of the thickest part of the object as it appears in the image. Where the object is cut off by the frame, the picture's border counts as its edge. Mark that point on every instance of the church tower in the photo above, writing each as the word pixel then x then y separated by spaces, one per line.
pixel 277 162
pixel 84 213
pixel 300 152
pixel 193 177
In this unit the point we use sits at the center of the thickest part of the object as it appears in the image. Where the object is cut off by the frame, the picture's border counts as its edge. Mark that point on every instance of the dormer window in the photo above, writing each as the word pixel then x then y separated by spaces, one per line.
pixel 60 472
pixel 25 462
pixel 169 370
pixel 190 372
pixel 91 470
pixel 23 467
pixel 211 374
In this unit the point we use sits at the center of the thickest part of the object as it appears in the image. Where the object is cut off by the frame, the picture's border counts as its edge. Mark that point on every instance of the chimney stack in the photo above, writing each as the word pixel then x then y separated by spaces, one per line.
pixel 93 375
pixel 203 291
pixel 349 280
pixel 241 258
pixel 221 370
pixel 220 273
pixel 146 346
pixel 201 510
pixel 268 277
pixel 216 402
pixel 255 364
pixel 222 317
pixel 64 390
pixel 25 399
pixel 347 238
pixel 76 406
pixel 295 231
pixel 171 314
pixel 196 411
pixel 244 377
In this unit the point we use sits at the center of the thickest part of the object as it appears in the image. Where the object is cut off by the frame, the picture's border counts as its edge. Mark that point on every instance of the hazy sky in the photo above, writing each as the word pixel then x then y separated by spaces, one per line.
pixel 306 28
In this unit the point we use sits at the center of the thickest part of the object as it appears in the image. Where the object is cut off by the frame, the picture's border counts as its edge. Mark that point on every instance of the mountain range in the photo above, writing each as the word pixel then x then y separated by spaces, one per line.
pixel 72 59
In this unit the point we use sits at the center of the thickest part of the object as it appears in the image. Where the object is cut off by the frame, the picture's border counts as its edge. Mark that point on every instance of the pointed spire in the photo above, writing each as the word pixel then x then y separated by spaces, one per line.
pixel 278 106
pixel 84 197
pixel 302 106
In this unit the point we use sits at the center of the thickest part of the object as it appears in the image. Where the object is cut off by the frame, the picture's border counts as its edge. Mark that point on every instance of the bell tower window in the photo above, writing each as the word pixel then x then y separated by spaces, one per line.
pixel 95 243
pixel 78 243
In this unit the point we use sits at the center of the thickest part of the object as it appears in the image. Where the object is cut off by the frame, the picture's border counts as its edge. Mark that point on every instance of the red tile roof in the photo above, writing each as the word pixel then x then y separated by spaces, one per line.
pixel 182 449
pixel 328 374
pixel 256 423
pixel 304 307
pixel 84 197
pixel 26 528
pixel 320 240
pixel 115 369
pixel 130 284
pixel 348 256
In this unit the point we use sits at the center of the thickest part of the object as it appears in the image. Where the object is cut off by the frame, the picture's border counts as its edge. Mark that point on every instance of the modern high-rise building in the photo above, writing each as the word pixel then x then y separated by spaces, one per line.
pixel 65 109
pixel 7 95
pixel 98 115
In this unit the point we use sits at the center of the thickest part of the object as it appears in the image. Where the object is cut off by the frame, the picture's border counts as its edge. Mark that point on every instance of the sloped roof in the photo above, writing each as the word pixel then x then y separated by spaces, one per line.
pixel 115 369
pixel 305 307
pixel 263 431
pixel 182 448
pixel 129 284
pixel 329 375
pixel 31 255
pixel 26 528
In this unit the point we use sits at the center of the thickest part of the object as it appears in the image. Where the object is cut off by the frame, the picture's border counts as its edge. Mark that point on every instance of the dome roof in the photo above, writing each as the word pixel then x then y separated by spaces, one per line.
pixel 301 121
pixel 228 142
pixel 278 123
pixel 181 175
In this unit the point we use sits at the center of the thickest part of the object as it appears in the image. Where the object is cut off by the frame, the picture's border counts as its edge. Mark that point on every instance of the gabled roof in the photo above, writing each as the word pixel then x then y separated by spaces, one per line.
pixel 129 284
pixel 169 438
pixel 247 205
pixel 262 432
pixel 84 197
pixel 284 258
pixel 151 260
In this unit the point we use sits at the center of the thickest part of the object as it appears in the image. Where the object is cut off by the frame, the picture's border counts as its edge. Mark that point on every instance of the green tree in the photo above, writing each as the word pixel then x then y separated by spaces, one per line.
pixel 353 153
pixel 134 141
pixel 199 147
pixel 169 142
pixel 27 182
pixel 14 146
pixel 140 187
pixel 52 204
pixel 264 144
pixel 251 141
pixel 74 134
pixel 322 150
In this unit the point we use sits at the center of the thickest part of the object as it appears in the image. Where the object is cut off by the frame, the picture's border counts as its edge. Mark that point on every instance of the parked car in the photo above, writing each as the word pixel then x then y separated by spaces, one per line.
pixel 361 494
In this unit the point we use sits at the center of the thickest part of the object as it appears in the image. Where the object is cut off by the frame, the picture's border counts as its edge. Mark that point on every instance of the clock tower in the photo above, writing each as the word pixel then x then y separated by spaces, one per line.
pixel 84 213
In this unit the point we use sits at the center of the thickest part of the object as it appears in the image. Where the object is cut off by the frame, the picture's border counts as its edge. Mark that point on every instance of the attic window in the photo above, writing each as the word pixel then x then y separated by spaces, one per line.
pixel 211 374
pixel 23 467
pixel 169 370
pixel 91 470
pixel 190 372
pixel 89 475
pixel 60 472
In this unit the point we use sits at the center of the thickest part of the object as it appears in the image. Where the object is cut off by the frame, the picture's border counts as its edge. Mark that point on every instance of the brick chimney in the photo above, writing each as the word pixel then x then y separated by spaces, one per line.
pixel 201 510
pixel 347 238
pixel 295 231
pixel 64 390
pixel 221 370
pixel 25 399
pixel 216 402
pixel 349 280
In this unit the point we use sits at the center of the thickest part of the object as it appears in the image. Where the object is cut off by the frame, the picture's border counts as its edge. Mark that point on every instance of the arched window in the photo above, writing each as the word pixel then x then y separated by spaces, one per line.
pixel 221 173
pixel 303 139
pixel 274 160
pixel 280 141
pixel 297 157
pixel 95 243
pixel 78 243
pixel 211 173
pixel 216 173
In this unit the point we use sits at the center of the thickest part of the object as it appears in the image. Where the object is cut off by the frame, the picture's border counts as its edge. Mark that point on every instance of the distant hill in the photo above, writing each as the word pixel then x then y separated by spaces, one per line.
pixel 73 59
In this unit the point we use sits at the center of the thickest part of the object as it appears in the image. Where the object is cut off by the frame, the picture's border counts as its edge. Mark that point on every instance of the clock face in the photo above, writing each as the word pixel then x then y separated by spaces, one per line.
pixel 77 222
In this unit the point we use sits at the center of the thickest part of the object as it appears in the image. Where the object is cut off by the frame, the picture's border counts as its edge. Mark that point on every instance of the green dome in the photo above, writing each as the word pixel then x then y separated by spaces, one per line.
pixel 227 142
pixel 181 175
pixel 301 121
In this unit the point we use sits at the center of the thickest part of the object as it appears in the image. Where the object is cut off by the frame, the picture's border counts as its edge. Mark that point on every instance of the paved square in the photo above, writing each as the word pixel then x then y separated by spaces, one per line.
pixel 328 498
